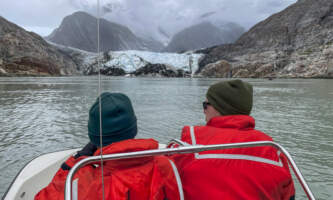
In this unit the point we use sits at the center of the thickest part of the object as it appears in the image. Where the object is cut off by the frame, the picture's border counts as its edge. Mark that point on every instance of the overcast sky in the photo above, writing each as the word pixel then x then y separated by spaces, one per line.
pixel 42 16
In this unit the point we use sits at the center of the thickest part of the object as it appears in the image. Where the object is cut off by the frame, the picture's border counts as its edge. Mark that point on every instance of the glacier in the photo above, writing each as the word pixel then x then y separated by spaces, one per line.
pixel 132 60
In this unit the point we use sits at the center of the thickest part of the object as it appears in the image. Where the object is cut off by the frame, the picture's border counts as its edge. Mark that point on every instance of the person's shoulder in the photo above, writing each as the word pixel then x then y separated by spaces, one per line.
pixel 186 135
pixel 187 129
pixel 261 135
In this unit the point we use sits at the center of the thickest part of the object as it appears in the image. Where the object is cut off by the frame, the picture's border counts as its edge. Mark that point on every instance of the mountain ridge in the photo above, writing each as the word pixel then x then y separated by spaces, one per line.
pixel 296 42
pixel 79 30
pixel 24 53
pixel 202 35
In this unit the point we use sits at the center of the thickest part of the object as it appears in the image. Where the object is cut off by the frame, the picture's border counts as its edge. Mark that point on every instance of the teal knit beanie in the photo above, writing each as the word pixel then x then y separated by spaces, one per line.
pixel 118 119
pixel 231 97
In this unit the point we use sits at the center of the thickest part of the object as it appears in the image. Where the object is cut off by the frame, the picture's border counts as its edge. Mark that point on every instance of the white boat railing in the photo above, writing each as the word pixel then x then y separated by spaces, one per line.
pixel 185 148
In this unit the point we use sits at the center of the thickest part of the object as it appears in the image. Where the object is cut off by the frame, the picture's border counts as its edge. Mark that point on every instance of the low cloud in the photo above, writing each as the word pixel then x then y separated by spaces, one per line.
pixel 171 15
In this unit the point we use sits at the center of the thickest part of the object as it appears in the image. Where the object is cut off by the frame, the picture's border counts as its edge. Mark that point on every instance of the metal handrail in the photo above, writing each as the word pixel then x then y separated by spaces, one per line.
pixel 182 150
pixel 179 142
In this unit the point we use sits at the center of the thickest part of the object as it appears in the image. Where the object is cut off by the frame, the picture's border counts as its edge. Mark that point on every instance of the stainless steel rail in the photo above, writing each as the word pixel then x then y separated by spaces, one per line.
pixel 179 142
pixel 182 150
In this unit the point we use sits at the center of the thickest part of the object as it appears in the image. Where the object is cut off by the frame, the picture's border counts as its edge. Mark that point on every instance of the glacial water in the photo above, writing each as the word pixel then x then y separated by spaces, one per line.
pixel 41 115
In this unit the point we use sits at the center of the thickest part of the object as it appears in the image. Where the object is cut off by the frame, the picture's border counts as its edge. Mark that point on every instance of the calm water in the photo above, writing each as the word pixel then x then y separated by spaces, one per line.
pixel 40 115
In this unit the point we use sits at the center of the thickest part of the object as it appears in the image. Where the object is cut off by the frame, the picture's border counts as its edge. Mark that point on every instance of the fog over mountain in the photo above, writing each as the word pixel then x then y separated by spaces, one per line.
pixel 160 20
pixel 204 35
pixel 172 16
pixel 295 42
pixel 79 30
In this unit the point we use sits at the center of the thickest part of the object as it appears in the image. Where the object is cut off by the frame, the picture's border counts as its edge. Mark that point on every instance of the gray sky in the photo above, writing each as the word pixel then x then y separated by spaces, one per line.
pixel 42 16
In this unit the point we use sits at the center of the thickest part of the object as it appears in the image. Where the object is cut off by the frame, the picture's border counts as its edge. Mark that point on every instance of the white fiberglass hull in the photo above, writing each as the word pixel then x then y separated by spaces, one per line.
pixel 36 175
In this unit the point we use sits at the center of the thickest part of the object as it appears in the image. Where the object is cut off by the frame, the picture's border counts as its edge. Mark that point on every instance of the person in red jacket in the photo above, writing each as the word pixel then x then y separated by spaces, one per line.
pixel 147 178
pixel 240 173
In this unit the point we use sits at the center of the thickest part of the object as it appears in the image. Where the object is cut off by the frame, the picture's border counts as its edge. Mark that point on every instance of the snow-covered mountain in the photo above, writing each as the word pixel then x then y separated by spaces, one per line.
pixel 79 30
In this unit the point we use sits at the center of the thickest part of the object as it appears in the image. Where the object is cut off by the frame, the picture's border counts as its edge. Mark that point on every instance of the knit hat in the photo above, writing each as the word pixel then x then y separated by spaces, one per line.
pixel 118 119
pixel 231 97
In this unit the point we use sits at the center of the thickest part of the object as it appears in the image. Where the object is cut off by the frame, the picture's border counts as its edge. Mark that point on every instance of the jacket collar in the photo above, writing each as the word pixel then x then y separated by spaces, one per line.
pixel 130 145
pixel 232 121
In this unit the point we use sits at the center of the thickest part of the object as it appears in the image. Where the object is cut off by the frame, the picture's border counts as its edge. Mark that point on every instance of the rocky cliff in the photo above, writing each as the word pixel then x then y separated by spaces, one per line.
pixel 26 53
pixel 159 70
pixel 296 42
pixel 79 30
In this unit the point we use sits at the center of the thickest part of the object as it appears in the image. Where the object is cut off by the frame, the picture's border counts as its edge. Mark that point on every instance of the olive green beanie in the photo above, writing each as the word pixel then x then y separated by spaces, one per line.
pixel 231 97
pixel 118 119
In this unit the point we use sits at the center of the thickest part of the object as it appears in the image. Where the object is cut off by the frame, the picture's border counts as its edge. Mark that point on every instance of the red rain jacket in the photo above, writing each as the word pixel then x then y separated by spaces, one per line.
pixel 148 178
pixel 243 173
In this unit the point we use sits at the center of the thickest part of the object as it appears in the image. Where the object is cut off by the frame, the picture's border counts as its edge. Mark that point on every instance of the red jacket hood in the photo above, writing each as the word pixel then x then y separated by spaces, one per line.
pixel 232 121
pixel 126 146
